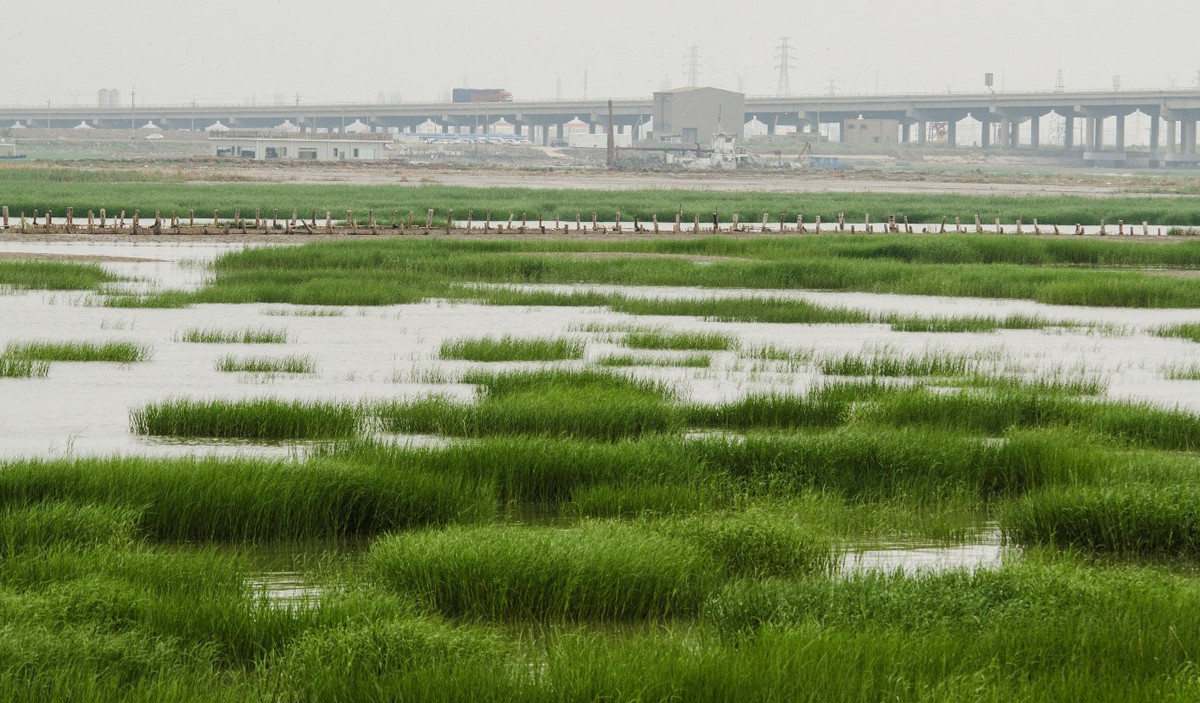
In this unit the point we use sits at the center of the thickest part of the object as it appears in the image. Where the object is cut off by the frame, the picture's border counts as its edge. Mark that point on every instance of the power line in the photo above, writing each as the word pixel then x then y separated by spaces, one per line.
pixel 783 87
pixel 693 66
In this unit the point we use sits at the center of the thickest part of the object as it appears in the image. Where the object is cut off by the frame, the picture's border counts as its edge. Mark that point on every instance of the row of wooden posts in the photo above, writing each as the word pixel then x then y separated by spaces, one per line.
pixel 299 225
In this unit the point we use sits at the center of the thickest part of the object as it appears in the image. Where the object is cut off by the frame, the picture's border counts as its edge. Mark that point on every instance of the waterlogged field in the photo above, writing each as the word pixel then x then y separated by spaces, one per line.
pixel 663 471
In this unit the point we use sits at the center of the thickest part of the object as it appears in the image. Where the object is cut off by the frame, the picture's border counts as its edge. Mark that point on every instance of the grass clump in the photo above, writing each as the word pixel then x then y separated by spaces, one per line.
pixel 213 335
pixel 691 361
pixel 1188 330
pixel 23 368
pixel 886 363
pixel 118 352
pixel 267 365
pixel 55 525
pixel 1132 519
pixel 236 500
pixel 598 571
pixel 756 543
pixel 680 341
pixel 509 348
pixel 586 404
pixel 53 275
pixel 262 418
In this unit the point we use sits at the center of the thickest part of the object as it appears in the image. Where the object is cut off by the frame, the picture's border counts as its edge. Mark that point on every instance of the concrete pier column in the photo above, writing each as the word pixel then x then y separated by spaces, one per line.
pixel 952 133
pixel 1004 136
pixel 1035 131
pixel 922 132
pixel 1090 125
pixel 545 135
pixel 1120 136
pixel 905 133
pixel 985 134
pixel 1069 134
pixel 1154 138
pixel 1172 142
pixel 1189 136
pixel 1014 134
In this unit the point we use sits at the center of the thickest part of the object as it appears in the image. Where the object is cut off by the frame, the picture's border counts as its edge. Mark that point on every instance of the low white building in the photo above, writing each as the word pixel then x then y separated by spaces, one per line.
pixel 306 146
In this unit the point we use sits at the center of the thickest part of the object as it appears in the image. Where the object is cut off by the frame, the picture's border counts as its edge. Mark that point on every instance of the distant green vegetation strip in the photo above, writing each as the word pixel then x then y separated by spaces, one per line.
pixel 1066 271
pixel 30 189
pixel 53 275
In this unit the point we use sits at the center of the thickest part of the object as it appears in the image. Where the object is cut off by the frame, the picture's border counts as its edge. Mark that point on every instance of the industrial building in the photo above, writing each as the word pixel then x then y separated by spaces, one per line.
pixel 303 146
pixel 865 131
pixel 694 115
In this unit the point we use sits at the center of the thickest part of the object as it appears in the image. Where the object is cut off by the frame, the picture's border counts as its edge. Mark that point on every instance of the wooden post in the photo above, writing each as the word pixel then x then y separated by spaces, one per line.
pixel 1120 226
pixel 70 220
pixel 449 221
pixel 174 222
pixel 541 227
pixel 470 218
pixel 696 224
pixel 1056 229
pixel 121 222
pixel 958 224
pixel 487 225
pixel 329 221
pixel 593 222
pixel 157 222
pixel 4 214
pixel 395 219
pixel 782 226
pixel 867 222
pixel 275 218
pixel 313 227
pixel 733 226
pixel 800 224
pixel 350 221
pixel 942 229
pixel 258 223
pixel 764 223
pixel 103 217
pixel 191 218
pixel 578 222
pixel 617 223
pixel 371 220
pixel 678 224
pixel 907 227
pixel 217 219
pixel 1019 227
pixel 978 225
pixel 22 221
pixel 91 222
pixel 410 219
pixel 1037 229
pixel 1145 228
pixel 817 225
pixel 1103 228
pixel 999 229
pixel 136 215
pixel 841 222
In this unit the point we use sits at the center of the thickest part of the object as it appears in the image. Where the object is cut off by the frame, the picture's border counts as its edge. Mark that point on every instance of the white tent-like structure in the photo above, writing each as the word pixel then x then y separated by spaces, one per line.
pixel 357 127
pixel 82 125
pixel 216 127
pixel 286 126
pixel 149 125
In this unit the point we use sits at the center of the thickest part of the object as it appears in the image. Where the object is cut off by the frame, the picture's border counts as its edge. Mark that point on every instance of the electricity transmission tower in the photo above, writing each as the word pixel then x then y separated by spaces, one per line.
pixel 693 66
pixel 783 87
pixel 1060 85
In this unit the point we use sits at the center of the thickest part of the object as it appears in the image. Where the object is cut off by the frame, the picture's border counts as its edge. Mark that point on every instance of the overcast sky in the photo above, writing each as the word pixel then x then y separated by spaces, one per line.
pixel 235 50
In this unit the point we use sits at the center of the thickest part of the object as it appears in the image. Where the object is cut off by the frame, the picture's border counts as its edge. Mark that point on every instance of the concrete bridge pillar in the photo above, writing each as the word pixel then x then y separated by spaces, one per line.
pixel 1120 136
pixel 1035 131
pixel 559 133
pixel 1154 137
pixel 905 133
pixel 952 133
pixel 1189 136
pixel 1069 134
pixel 985 134
pixel 1172 142
pixel 546 135
pixel 1014 134
pixel 922 132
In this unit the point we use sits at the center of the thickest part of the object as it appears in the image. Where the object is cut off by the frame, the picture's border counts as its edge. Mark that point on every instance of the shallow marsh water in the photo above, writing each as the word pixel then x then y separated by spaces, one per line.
pixel 391 353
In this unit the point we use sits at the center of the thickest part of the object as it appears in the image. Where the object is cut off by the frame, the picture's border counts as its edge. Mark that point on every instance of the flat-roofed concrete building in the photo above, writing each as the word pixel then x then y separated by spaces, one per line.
pixel 309 146
pixel 867 131
pixel 694 115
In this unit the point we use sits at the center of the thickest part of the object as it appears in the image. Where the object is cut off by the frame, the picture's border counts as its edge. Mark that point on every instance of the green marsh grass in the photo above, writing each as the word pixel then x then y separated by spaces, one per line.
pixel 53 275
pixel 50 525
pixel 241 499
pixel 261 418
pixel 1129 519
pixel 510 348
pixel 597 571
pixel 1181 372
pixel 680 341
pixel 267 365
pixel 1189 331
pixel 23 368
pixel 755 543
pixel 118 352
pixel 249 335
pixel 885 362
pixel 693 361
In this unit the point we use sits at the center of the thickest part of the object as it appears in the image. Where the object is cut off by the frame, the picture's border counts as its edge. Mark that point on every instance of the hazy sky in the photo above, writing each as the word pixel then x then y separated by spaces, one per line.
pixel 231 50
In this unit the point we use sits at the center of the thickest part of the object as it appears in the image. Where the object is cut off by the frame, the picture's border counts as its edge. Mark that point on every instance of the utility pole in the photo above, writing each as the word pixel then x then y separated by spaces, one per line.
pixel 832 89
pixel 612 140
pixel 783 87
pixel 1060 85
pixel 133 108
pixel 693 66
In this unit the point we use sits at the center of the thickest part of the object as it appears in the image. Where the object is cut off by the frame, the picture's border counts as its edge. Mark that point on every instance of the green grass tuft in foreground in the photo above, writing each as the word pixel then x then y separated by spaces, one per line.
pixel 510 348
pixel 23 368
pixel 213 335
pixel 53 275
pixel 680 341
pixel 118 352
pixel 267 365
pixel 262 418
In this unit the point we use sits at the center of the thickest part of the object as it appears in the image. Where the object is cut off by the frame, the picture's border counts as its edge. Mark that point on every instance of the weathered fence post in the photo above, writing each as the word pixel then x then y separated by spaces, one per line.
pixel 4 214
pixel 449 220
pixel 617 223
pixel 70 220
pixel 351 221
pixel 817 225
pixel 103 217
pixel 136 217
